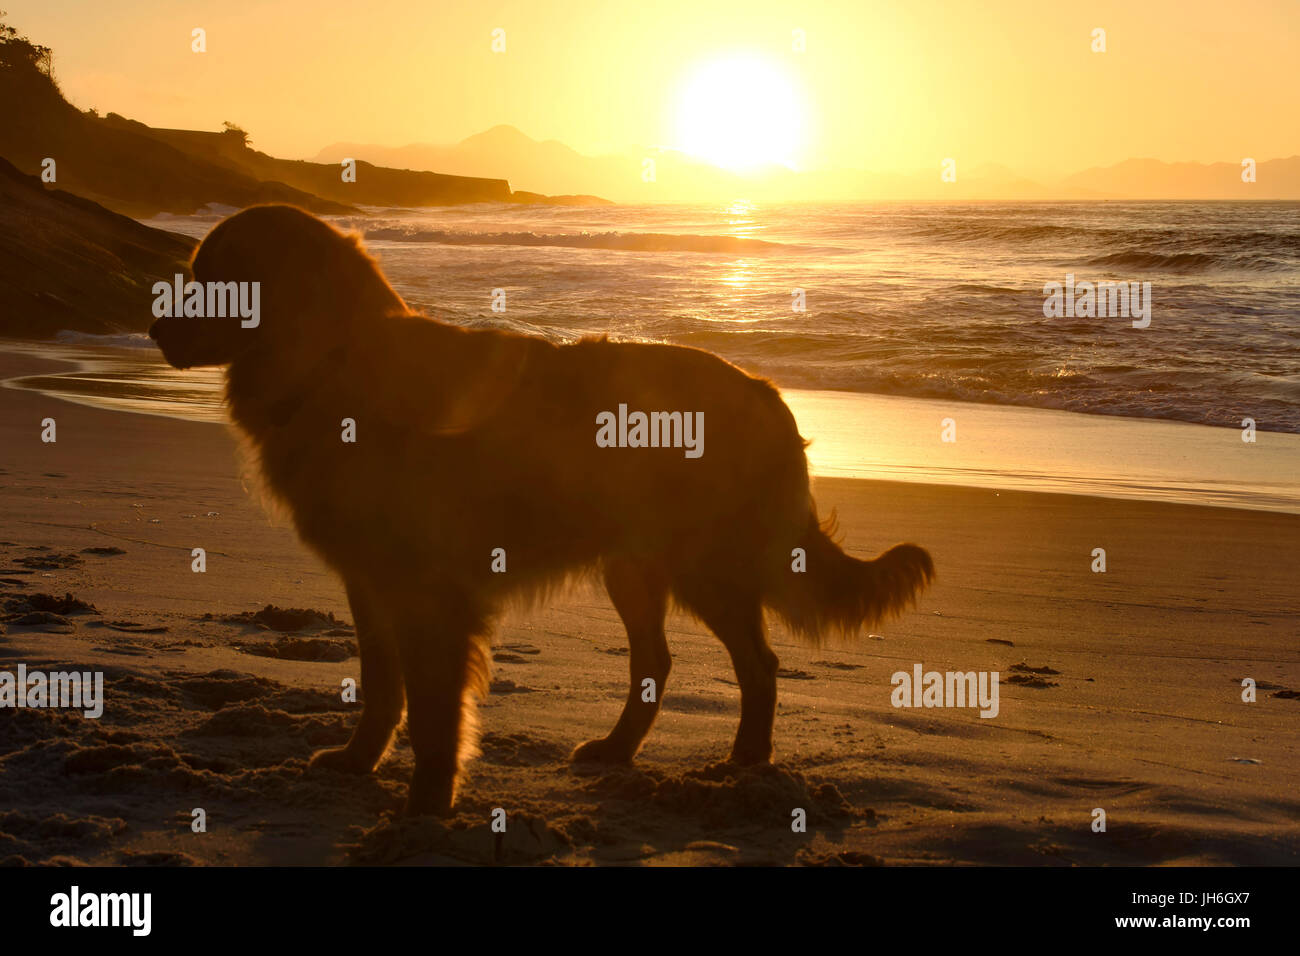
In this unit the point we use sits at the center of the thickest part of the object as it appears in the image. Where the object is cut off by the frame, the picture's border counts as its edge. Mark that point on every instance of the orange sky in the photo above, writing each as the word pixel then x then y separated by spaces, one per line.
pixel 881 85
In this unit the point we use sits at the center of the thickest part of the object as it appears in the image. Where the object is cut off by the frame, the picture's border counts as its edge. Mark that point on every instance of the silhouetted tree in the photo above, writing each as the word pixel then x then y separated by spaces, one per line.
pixel 232 130
pixel 19 53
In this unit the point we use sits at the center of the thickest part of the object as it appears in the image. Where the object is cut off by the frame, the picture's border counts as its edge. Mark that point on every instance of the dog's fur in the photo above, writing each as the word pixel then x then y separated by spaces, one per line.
pixel 469 441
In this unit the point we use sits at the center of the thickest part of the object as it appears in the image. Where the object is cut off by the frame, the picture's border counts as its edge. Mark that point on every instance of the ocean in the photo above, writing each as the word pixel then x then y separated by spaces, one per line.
pixel 935 303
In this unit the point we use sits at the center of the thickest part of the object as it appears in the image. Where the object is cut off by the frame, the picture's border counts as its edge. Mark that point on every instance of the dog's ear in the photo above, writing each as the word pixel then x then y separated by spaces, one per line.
pixel 319 286
pixel 466 377
pixel 316 285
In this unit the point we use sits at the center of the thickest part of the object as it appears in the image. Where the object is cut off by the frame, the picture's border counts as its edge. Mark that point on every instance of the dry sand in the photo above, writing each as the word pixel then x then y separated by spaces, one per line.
pixel 1141 713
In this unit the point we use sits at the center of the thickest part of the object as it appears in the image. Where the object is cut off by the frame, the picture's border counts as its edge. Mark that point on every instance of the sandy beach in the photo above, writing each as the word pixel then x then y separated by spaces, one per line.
pixel 1120 691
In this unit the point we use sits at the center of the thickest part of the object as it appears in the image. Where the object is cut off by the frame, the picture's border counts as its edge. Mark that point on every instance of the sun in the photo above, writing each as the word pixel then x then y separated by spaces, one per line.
pixel 740 112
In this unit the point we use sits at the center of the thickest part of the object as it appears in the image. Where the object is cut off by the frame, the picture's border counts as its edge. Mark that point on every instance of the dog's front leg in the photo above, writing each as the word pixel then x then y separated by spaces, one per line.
pixel 383 693
pixel 442 662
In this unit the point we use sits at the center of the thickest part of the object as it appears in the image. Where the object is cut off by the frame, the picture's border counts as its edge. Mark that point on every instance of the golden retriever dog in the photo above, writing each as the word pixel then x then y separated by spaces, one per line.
pixel 485 466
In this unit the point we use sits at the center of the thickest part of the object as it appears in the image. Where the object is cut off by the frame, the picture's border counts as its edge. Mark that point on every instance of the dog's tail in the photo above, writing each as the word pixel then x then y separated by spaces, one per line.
pixel 831 592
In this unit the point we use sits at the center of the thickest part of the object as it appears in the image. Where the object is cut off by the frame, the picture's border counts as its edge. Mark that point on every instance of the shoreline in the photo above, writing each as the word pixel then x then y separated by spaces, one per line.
pixel 854 435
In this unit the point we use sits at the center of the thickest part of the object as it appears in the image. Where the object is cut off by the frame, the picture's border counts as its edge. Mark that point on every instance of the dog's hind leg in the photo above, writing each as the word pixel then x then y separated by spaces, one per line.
pixel 381 687
pixel 445 665
pixel 737 620
pixel 640 596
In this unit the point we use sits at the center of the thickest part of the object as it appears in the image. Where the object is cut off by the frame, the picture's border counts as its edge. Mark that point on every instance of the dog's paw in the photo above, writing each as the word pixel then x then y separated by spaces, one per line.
pixel 432 793
pixel 601 750
pixel 418 807
pixel 340 759
pixel 750 757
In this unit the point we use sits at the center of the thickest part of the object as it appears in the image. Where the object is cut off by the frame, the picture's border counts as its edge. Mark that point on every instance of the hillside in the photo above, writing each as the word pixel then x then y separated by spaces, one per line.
pixel 110 161
pixel 69 263
pixel 374 185
pixel 141 171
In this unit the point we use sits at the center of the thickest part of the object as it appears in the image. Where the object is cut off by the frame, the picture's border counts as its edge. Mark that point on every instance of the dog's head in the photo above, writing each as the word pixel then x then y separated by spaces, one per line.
pixel 270 278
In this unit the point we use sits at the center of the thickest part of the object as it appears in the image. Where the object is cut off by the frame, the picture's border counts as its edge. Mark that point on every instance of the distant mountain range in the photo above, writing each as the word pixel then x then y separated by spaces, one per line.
pixel 1152 179
pixel 553 167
